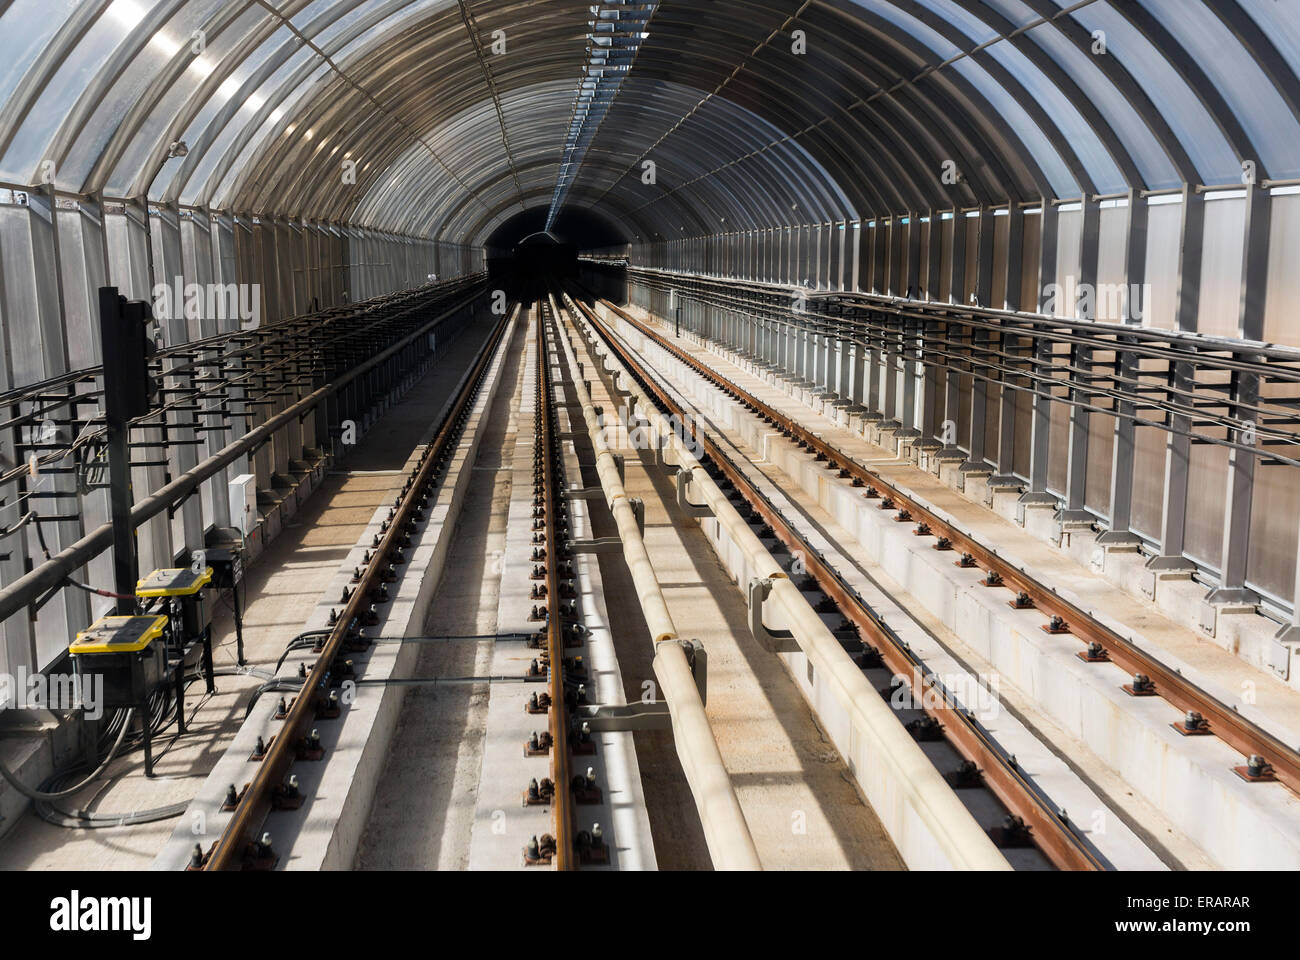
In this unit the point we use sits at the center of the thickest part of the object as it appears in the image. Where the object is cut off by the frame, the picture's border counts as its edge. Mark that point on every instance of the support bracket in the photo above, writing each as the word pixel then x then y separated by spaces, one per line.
pixel 775 641
pixel 626 716
pixel 690 509
pixel 599 545
pixel 653 715
pixel 1285 644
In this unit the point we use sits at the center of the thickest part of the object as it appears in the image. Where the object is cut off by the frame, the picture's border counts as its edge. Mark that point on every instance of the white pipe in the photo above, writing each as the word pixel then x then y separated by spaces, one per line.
pixel 731 846
pixel 927 821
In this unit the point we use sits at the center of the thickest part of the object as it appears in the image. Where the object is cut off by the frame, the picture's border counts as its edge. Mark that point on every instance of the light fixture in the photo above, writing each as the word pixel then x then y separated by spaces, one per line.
pixel 615 33
pixel 178 148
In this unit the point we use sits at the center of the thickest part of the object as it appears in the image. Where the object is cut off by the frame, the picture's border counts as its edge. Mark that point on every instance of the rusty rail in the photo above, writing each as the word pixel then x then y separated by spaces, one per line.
pixel 1053 835
pixel 548 453
pixel 236 848
pixel 1105 645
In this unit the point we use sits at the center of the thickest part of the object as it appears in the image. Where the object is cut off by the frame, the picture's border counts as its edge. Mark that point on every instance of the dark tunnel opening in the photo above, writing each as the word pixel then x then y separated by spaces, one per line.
pixel 524 257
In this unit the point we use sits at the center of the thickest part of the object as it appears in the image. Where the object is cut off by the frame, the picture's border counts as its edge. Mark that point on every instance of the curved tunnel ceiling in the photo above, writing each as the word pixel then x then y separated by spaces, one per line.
pixel 574 225
pixel 401 115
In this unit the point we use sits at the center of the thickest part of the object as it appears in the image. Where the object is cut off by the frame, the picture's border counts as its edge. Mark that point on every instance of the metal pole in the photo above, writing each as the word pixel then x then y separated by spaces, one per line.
pixel 121 331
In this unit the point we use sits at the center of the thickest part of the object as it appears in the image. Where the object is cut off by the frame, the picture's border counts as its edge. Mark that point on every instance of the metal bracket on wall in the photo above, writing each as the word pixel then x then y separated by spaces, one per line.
pixel 1285 644
pixel 775 641
pixel 691 509
pixel 653 715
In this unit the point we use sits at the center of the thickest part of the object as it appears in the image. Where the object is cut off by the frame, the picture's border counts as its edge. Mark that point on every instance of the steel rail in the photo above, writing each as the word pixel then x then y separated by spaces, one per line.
pixel 230 849
pixel 1223 720
pixel 558 721
pixel 726 831
pixel 1064 848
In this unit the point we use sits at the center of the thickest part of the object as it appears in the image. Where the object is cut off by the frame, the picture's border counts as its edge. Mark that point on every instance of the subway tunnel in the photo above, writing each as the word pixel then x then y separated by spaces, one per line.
pixel 957 335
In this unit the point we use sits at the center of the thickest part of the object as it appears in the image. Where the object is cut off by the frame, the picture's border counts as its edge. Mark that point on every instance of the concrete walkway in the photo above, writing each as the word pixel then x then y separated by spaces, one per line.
pixel 281 588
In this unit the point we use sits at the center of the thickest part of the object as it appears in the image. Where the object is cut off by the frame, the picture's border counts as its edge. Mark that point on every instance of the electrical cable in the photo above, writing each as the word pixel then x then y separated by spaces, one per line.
pixel 59 794
pixel 279 683
pixel 32 516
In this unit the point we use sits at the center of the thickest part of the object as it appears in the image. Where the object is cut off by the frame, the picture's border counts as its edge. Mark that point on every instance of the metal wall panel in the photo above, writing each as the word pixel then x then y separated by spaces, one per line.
pixel 1225 224
pixel 1163 244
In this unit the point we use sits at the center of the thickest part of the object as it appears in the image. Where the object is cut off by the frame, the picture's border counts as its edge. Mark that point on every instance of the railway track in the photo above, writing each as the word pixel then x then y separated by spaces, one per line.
pixel 245 842
pixel 1032 825
pixel 1266 758
pixel 1031 818
pixel 550 520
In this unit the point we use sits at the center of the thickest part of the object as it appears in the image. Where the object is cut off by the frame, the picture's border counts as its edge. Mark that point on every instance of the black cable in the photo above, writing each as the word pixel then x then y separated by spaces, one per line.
pixel 31 794
pixel 279 683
